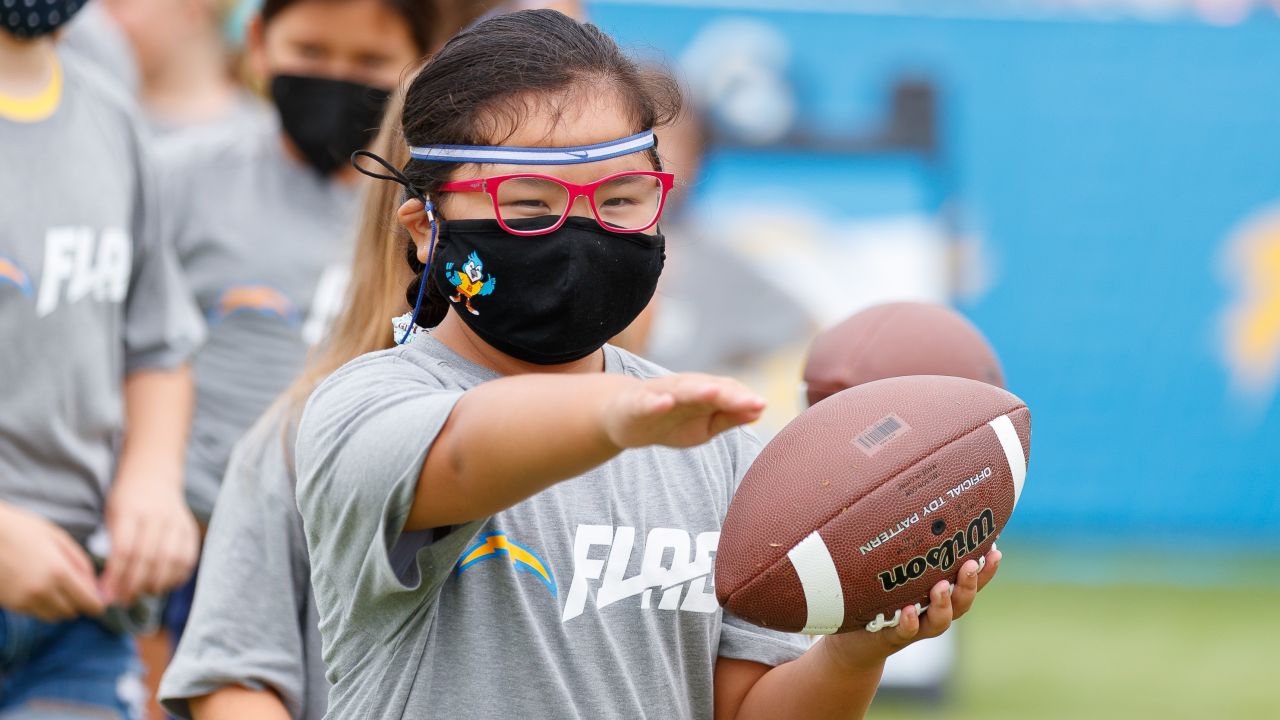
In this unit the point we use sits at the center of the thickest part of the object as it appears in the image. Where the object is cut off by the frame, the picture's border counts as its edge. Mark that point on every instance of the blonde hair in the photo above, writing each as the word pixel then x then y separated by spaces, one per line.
pixel 375 293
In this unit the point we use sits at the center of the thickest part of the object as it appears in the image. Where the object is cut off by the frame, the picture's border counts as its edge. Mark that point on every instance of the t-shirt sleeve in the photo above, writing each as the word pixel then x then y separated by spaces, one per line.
pixel 162 324
pixel 740 639
pixel 361 448
pixel 251 597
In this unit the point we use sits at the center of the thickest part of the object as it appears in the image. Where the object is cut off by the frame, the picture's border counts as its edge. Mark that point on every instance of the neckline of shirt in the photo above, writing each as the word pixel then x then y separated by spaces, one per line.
pixel 432 347
pixel 38 107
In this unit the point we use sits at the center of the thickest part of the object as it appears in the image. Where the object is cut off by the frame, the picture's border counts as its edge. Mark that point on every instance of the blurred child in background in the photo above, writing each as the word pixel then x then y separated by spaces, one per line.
pixel 184 64
pixel 94 35
pixel 261 212
pixel 96 395
pixel 251 649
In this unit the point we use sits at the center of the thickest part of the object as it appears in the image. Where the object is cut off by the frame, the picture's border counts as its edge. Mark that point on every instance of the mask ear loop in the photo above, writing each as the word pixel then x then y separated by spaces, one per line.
pixel 399 177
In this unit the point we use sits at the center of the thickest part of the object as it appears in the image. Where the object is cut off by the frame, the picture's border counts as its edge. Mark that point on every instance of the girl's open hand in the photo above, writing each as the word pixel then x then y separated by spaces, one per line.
pixel 679 410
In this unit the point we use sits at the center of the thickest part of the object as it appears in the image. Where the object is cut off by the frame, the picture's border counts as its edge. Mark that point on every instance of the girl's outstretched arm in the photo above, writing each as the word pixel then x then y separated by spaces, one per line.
pixel 508 439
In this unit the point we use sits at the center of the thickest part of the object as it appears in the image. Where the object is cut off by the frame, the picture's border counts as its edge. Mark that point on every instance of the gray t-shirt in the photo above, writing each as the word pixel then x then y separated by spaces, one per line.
pixel 592 599
pixel 89 292
pixel 254 621
pixel 265 244
pixel 242 114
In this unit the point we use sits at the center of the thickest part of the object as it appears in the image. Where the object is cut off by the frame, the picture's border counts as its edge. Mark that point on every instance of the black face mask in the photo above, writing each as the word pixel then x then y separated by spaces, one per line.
pixel 546 299
pixel 327 119
pixel 37 19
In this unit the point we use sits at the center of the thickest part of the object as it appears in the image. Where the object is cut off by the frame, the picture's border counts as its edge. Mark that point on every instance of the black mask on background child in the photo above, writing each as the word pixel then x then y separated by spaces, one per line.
pixel 546 299
pixel 33 20
pixel 327 119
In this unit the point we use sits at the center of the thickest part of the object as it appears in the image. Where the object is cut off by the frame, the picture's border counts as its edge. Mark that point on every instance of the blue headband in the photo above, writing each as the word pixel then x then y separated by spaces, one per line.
pixel 534 156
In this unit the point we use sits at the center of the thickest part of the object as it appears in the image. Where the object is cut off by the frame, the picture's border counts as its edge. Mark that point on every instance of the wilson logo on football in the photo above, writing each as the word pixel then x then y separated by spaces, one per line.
pixel 944 555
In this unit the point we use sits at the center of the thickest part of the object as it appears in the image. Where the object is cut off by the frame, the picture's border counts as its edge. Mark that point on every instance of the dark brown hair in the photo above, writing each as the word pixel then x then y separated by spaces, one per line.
pixel 484 82
pixel 422 17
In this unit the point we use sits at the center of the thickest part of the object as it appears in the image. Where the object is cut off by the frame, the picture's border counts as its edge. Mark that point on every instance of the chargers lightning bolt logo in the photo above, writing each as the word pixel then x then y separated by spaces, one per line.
pixel 261 300
pixel 12 274
pixel 497 544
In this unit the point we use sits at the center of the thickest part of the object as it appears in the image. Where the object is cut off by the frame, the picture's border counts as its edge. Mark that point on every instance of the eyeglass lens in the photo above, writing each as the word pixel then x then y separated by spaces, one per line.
pixel 628 202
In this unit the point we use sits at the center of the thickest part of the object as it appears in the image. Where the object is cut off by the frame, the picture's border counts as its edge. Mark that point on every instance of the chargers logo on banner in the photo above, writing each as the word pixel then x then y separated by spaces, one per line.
pixel 1252 338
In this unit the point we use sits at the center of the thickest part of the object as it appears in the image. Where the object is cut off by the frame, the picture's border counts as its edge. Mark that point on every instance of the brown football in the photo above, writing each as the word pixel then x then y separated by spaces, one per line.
pixel 866 500
pixel 895 339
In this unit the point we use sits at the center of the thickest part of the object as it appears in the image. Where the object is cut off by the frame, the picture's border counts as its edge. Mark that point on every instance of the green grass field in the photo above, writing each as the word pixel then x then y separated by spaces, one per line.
pixel 1038 649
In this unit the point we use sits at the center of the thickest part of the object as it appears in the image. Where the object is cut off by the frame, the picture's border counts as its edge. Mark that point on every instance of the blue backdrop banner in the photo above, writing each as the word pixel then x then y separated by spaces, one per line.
pixel 1123 177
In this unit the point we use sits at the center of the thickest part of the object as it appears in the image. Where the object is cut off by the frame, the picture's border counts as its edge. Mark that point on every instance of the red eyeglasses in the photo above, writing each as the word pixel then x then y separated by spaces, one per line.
pixel 622 202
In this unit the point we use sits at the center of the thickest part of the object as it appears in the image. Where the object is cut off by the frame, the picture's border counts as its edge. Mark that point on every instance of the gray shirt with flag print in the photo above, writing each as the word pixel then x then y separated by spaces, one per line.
pixel 89 292
pixel 265 244
pixel 592 599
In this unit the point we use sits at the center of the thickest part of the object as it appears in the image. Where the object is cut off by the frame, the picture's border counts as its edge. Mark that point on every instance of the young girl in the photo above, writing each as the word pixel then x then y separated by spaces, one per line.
pixel 251 649
pixel 94 388
pixel 507 517
pixel 261 214
pixel 184 64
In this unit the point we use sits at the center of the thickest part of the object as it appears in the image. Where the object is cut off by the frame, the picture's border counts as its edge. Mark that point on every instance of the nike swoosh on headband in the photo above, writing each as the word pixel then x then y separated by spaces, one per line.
pixel 534 156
